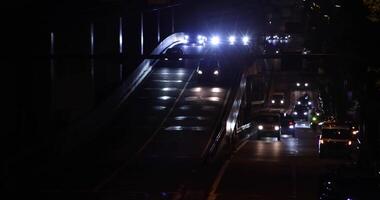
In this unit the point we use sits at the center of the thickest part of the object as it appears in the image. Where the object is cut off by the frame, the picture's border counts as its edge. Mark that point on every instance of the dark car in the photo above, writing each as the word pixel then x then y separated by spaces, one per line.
pixel 278 99
pixel 208 68
pixel 300 112
pixel 268 125
pixel 173 54
pixel 337 140
pixel 288 125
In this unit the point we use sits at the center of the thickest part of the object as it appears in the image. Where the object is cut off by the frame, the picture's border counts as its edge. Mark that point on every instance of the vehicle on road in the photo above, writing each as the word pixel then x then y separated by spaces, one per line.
pixel 173 54
pixel 337 140
pixel 300 112
pixel 268 125
pixel 277 99
pixel 288 125
pixel 208 69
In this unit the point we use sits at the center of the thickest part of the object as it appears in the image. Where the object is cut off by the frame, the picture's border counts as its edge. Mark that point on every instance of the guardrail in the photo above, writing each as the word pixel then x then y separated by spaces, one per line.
pixel 229 128
pixel 86 129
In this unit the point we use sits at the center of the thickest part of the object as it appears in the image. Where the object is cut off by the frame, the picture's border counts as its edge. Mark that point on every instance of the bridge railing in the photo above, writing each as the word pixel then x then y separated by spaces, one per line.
pixel 87 128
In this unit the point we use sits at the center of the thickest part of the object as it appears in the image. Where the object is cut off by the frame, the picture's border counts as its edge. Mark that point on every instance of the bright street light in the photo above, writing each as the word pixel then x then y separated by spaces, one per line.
pixel 215 40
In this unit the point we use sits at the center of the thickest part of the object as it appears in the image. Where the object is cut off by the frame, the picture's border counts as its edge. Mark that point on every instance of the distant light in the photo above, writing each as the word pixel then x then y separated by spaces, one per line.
pixel 180 59
pixel 260 127
pixel 197 89
pixel 186 39
pixel 245 40
pixel 298 102
pixel 349 142
pixel 201 39
pixel 216 72
pixel 291 126
pixel 282 101
pixel 215 40
pixel 277 51
pixel 214 99
pixel 337 6
pixel 199 72
pixel 166 58
pixel 314 119
pixel 273 101
pixel 305 113
pixel 232 39
pixel 309 103
pixel 355 132
pixel 306 84
pixel 295 113
pixel 276 128
pixel 298 84
pixel 318 114
pixel 270 22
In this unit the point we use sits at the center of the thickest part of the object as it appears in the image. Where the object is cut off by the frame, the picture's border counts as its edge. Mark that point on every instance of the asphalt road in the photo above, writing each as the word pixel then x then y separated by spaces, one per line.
pixel 268 169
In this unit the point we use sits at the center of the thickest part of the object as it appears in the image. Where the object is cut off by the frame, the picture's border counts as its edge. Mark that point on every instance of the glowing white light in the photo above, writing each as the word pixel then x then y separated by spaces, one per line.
pixel 197 89
pixel 298 84
pixel 298 102
pixel 318 114
pixel 214 98
pixel 199 72
pixel 306 84
pixel 201 39
pixel 305 113
pixel 309 103
pixel 215 40
pixel 295 113
pixel 216 90
pixel 164 97
pixel 260 127
pixel 180 59
pixel 216 72
pixel 291 126
pixel 337 6
pixel 277 51
pixel 273 101
pixel 282 101
pixel 232 39
pixel 276 128
pixel 245 40
pixel 168 89
pixel 166 58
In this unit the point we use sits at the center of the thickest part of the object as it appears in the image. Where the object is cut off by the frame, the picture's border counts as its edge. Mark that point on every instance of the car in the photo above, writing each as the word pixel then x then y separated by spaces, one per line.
pixel 173 54
pixel 301 112
pixel 277 99
pixel 337 140
pixel 302 85
pixel 208 68
pixel 305 100
pixel 268 125
pixel 288 125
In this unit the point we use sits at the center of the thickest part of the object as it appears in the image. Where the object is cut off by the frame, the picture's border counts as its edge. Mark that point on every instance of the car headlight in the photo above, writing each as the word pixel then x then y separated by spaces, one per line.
pixel 276 128
pixel 295 113
pixel 305 113
pixel 199 72
pixel 318 114
pixel 166 58
pixel 306 84
pixel 273 101
pixel 355 132
pixel 282 101
pixel 180 59
pixel 260 127
pixel 291 126
pixel 309 103
pixel 216 72
pixel 298 102
pixel 298 84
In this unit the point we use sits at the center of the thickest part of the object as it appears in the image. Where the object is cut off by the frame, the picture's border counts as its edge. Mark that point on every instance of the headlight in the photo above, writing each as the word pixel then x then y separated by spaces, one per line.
pixel 298 84
pixel 215 40
pixel 318 114
pixel 273 101
pixel 180 59
pixel 305 113
pixel 245 40
pixel 232 39
pixel 355 132
pixel 309 103
pixel 291 126
pixel 295 113
pixel 298 102
pixel 260 127
pixel 166 58
pixel 200 72
pixel 216 72
pixel 306 84
pixel 282 101
pixel 276 128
